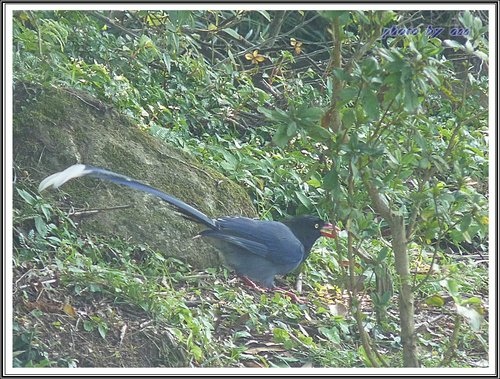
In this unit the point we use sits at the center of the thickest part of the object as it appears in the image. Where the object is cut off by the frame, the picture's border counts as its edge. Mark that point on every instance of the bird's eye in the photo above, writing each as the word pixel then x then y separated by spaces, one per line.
pixel 316 226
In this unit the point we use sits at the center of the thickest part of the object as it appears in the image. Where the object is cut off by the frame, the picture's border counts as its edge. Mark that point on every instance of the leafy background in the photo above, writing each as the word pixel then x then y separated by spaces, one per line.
pixel 311 112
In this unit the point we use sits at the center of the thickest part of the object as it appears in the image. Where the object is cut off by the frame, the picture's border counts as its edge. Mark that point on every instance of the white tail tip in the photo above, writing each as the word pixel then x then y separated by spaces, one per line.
pixel 59 178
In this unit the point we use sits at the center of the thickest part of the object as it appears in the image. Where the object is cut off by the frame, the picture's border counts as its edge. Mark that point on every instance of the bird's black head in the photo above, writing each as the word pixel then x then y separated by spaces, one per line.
pixel 309 228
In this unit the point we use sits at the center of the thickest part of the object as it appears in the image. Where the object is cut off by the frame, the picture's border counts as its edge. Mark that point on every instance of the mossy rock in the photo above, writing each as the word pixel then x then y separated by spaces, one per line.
pixel 54 128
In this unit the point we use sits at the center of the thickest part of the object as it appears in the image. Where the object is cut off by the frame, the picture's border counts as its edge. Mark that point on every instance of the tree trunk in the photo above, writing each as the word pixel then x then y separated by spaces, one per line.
pixel 406 306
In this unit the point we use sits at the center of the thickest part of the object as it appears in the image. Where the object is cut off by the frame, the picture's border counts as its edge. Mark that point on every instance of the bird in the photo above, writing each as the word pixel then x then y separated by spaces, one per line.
pixel 257 250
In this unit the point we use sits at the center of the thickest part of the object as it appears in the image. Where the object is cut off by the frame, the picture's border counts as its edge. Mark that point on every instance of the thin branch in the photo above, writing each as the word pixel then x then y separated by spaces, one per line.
pixel 112 25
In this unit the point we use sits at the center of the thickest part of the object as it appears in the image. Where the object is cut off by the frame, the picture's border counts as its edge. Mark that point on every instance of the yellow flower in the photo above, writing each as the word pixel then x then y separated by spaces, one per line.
pixel 255 57
pixel 297 45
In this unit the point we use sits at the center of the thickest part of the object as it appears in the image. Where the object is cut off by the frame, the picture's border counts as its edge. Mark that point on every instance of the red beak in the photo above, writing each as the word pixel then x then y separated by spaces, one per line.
pixel 329 230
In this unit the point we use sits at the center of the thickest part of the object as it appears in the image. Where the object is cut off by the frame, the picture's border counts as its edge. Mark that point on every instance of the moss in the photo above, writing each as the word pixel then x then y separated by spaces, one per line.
pixel 59 127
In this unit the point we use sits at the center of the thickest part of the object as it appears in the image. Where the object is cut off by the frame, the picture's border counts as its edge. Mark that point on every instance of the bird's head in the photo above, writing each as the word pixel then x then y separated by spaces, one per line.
pixel 309 228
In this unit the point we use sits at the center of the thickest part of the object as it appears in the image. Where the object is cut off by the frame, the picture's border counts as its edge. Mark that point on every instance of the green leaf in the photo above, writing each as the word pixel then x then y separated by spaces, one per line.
pixel 304 199
pixel 348 94
pixel 231 57
pixel 341 74
pixel 348 119
pixel 313 182
pixel 167 61
pixel 472 300
pixel 265 14
pixel 371 106
pixel 432 74
pixel 319 133
pixel 145 42
pixel 465 223
pixel 311 114
pixel 233 33
pixel 331 180
pixel 410 98
pixel 435 301
pixel 452 286
pixel 40 226
pixel 331 333
pixel 467 237
pixel 342 16
pixel 102 329
pixel 26 196
pixel 424 163
pixel 370 66
pixel 471 315
pixel 241 334
pixel 46 210
pixel 453 43
pixel 266 112
pixel 291 129
pixel 197 352
pixel 281 138
pixel 311 174
pixel 281 335
pixel 88 326
pixel 387 16
pixel 277 115
pixel 382 254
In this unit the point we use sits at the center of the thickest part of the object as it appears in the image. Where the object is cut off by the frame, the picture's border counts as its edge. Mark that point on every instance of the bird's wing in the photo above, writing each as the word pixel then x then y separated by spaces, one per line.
pixel 250 246
pixel 77 170
pixel 269 239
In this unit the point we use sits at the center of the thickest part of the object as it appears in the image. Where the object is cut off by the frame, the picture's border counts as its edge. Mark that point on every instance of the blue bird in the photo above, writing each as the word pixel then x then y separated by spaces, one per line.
pixel 256 249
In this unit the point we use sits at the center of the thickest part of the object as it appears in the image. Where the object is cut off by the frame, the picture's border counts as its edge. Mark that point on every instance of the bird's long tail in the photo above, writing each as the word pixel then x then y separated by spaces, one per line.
pixel 59 178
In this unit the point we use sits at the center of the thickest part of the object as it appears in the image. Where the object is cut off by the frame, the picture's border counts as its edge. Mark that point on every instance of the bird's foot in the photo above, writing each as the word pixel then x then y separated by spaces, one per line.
pixel 284 291
pixel 290 294
pixel 249 282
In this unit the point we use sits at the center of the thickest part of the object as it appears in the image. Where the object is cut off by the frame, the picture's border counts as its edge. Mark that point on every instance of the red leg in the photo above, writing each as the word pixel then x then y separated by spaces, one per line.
pixel 290 294
pixel 284 291
pixel 249 282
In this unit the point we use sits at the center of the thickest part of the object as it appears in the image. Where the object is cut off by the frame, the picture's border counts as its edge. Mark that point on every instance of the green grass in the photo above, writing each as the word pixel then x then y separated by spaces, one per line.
pixel 88 301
